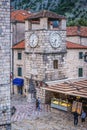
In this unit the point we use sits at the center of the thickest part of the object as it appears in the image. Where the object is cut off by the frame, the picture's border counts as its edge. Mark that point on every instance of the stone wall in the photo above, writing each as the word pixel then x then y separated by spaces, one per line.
pixel 44 56
pixel 84 41
pixel 18 30
pixel 77 39
pixel 5 65
pixel 72 63
pixel 74 39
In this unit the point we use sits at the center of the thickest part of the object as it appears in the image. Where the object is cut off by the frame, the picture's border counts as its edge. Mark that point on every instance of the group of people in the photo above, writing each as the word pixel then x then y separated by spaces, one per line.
pixel 83 116
pixel 38 104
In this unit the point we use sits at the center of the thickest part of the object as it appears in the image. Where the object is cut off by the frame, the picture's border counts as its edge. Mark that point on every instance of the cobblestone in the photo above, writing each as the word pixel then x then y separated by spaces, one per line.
pixel 27 118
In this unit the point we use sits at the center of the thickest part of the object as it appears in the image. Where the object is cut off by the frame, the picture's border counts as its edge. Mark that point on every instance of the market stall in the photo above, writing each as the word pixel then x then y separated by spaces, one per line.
pixel 60 104
pixel 77 107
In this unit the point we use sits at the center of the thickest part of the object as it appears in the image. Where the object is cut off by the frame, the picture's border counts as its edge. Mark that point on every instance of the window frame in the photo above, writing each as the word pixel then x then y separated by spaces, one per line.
pixel 56 23
pixel 80 72
pixel 19 71
pixel 81 55
pixel 19 56
pixel 55 64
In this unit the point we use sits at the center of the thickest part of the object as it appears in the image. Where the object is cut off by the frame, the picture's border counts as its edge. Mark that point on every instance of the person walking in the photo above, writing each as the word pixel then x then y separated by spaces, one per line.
pixel 39 104
pixel 75 118
pixel 83 116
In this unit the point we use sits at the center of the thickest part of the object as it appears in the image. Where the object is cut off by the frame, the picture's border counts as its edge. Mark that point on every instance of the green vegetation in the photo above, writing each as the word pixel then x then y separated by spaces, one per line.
pixel 77 22
pixel 74 10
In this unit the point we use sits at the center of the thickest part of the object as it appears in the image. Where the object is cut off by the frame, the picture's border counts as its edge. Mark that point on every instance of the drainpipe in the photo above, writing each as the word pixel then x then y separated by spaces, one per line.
pixel 11 73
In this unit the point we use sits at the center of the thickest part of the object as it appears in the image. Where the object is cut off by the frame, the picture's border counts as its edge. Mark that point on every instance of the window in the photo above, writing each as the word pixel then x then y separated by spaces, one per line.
pixel 55 64
pixel 80 55
pixel 19 71
pixel 55 24
pixel 80 72
pixel 19 56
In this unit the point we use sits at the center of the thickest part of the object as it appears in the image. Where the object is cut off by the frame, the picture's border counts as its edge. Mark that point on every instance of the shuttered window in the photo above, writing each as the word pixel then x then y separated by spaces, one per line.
pixel 19 56
pixel 19 71
pixel 80 72
pixel 80 55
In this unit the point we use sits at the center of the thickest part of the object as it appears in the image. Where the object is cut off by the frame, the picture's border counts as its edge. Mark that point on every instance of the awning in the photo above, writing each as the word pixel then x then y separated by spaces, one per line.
pixel 74 88
pixel 18 81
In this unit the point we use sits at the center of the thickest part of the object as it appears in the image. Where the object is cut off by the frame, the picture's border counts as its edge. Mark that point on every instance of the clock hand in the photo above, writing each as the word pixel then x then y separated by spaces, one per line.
pixel 33 42
pixel 55 40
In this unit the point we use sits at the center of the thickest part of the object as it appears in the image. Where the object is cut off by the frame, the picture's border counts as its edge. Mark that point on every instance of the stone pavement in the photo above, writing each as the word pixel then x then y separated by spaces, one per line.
pixel 27 118
pixel 27 110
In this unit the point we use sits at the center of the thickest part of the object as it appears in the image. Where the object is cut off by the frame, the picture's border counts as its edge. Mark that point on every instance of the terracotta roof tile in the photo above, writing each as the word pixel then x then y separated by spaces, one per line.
pixel 46 13
pixel 19 15
pixel 71 45
pixel 83 31
pixel 19 45
pixel 77 31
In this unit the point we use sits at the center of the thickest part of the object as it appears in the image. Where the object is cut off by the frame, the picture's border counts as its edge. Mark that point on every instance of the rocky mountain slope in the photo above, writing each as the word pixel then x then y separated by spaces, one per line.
pixel 74 10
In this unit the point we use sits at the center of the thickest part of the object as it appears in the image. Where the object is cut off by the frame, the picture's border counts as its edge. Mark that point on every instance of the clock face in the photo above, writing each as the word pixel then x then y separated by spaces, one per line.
pixel 55 40
pixel 33 40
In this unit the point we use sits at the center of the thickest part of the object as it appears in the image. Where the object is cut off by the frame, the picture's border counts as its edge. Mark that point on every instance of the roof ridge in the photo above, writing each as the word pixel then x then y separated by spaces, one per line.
pixel 19 42
pixel 76 43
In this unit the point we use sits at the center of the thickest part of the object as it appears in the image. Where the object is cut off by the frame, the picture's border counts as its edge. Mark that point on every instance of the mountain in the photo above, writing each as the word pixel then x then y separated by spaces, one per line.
pixel 74 10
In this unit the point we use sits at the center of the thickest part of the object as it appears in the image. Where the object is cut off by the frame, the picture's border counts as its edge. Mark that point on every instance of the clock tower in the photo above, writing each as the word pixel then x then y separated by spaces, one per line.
pixel 45 46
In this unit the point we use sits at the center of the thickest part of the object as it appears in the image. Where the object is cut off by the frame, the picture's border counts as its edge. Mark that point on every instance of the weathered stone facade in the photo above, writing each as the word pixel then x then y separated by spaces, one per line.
pixel 17 32
pixel 77 39
pixel 72 63
pixel 5 65
pixel 45 55
pixel 40 59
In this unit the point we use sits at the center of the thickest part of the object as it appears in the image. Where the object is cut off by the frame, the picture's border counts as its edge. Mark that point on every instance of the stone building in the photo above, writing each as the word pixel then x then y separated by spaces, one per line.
pixel 74 63
pixel 19 65
pixel 17 29
pixel 43 61
pixel 5 121
pixel 45 30
pixel 77 34
pixel 44 48
pixel 18 25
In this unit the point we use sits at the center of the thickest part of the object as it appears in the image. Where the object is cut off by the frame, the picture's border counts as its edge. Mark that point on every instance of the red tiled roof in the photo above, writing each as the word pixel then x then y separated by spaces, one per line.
pixel 77 31
pixel 46 13
pixel 69 45
pixel 19 45
pixel 83 31
pixel 19 15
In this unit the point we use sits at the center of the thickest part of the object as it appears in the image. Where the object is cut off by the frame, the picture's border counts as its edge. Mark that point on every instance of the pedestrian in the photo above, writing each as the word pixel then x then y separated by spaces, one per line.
pixel 75 118
pixel 83 116
pixel 39 104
